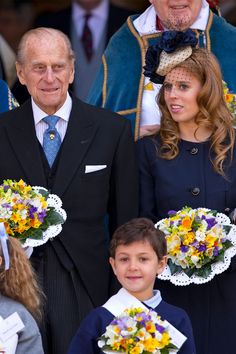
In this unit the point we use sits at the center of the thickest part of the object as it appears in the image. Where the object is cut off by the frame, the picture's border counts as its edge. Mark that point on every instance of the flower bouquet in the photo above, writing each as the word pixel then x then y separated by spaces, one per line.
pixel 230 99
pixel 137 331
pixel 200 244
pixel 30 214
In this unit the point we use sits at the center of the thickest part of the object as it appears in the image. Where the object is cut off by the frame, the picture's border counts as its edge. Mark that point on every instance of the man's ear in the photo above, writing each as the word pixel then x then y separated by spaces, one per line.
pixel 72 74
pixel 20 73
pixel 112 263
pixel 161 265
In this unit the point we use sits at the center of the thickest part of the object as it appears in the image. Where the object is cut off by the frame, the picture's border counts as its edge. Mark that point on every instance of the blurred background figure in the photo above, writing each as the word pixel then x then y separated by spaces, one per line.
pixel 15 19
pixel 89 24
pixel 17 16
pixel 228 10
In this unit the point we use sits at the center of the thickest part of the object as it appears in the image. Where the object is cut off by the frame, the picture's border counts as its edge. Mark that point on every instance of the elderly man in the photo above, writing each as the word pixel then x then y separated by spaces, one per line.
pixel 83 154
pixel 121 86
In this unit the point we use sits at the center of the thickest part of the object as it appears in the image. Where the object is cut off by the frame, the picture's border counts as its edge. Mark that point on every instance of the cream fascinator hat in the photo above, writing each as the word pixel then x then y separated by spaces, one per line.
pixel 172 49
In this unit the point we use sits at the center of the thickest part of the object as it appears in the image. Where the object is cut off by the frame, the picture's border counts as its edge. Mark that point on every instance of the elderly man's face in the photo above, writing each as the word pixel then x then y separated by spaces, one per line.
pixel 177 14
pixel 46 71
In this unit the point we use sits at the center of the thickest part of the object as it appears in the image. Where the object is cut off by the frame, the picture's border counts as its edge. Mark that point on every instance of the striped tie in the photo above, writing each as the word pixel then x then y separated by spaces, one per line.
pixel 87 38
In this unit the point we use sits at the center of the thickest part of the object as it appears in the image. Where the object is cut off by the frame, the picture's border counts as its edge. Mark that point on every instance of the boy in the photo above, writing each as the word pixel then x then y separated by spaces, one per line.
pixel 138 255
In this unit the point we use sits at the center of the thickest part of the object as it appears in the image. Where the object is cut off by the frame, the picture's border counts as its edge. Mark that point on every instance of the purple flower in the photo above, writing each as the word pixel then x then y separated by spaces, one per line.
pixel 210 223
pixel 172 212
pixel 202 248
pixel 32 210
pixel 184 248
pixel 216 251
pixel 42 215
pixel 159 328
pixel 120 322
pixel 6 205
pixel 195 244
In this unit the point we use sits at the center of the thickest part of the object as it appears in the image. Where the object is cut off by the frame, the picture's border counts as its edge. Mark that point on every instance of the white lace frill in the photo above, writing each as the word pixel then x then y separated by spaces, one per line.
pixel 53 201
pixel 183 279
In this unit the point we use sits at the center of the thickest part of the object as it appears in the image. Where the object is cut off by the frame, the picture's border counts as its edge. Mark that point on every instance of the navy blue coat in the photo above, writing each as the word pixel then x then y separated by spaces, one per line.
pixel 190 179
pixel 94 325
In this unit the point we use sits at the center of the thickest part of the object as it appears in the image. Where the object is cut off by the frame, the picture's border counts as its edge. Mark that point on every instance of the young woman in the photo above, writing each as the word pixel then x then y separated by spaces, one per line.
pixel 19 293
pixel 192 161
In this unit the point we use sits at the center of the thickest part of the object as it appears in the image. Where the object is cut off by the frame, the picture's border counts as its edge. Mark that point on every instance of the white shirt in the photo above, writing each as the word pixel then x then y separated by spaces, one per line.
pixel 96 22
pixel 63 113
pixel 146 24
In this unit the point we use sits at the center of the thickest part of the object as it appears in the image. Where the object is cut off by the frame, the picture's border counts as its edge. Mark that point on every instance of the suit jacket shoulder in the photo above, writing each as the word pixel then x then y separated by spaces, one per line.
pixel 98 115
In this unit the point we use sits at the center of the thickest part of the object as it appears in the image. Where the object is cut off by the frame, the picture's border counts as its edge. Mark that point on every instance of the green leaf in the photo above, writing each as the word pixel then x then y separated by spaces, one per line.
pixel 227 228
pixel 44 193
pixel 189 271
pixel 54 218
pixel 203 272
pixel 174 269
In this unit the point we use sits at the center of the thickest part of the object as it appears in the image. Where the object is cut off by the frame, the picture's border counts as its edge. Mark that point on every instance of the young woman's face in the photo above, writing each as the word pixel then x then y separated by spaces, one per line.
pixel 181 89
pixel 136 267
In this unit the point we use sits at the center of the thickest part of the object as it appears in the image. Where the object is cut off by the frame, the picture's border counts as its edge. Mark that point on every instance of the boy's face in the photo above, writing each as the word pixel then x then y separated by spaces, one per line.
pixel 136 267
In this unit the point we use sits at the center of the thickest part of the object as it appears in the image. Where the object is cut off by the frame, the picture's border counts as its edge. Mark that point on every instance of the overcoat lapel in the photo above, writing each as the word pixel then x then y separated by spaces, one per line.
pixel 79 135
pixel 22 136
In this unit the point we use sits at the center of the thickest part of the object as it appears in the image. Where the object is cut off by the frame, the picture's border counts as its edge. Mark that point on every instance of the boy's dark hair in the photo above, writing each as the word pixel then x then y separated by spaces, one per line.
pixel 139 229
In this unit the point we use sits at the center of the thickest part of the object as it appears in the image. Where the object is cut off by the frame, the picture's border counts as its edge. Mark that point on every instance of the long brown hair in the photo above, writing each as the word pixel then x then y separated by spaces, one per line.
pixel 213 112
pixel 19 281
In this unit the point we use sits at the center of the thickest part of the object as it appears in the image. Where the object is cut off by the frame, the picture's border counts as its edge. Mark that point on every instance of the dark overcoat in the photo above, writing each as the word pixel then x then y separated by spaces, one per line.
pixel 190 179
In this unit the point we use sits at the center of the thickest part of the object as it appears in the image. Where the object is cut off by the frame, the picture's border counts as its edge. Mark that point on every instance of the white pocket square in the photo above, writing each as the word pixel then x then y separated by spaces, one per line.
pixel 94 168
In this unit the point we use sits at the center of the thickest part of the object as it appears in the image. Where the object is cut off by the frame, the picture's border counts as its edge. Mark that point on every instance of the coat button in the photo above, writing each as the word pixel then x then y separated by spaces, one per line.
pixel 195 191
pixel 194 151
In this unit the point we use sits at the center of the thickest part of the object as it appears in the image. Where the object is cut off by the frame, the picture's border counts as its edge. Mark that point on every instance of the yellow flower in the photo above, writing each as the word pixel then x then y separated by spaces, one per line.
pixel 116 329
pixel 189 238
pixel 21 184
pixel 116 346
pixel 150 327
pixel 229 97
pixel 151 344
pixel 35 223
pixel 187 223
pixel 15 217
pixel 136 350
pixel 210 240
pixel 165 340
pixel 43 202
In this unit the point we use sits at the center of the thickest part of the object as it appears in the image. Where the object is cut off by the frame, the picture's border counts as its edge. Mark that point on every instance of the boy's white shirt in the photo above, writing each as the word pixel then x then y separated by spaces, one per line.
pixel 123 300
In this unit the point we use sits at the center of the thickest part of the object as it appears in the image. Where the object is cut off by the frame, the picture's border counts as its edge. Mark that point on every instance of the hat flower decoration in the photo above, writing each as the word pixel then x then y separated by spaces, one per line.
pixel 173 48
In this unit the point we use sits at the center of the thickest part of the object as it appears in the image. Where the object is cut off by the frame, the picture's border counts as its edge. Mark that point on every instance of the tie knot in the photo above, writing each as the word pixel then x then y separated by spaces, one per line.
pixel 51 121
pixel 87 17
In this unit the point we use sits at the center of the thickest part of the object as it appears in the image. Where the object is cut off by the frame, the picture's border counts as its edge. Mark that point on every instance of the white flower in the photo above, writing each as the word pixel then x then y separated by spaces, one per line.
pixel 195 259
pixel 200 236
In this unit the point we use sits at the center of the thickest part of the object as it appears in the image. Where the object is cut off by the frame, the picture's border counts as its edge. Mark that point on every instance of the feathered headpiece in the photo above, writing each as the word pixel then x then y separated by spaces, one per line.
pixel 173 48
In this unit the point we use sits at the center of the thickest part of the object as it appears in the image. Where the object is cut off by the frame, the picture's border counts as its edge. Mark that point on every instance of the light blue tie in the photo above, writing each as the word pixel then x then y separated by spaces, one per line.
pixel 51 139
